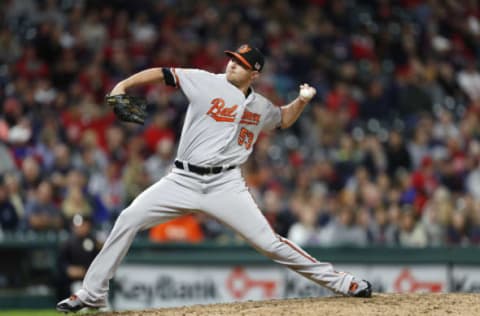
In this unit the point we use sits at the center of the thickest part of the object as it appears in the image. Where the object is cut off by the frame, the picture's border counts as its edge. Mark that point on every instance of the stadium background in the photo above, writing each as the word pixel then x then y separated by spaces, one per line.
pixel 387 155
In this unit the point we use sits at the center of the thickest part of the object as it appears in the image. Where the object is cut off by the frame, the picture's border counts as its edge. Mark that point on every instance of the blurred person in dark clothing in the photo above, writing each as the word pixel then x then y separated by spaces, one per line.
pixel 376 104
pixel 379 229
pixel 31 176
pixel 76 254
pixel 419 146
pixel 397 154
pixel 413 99
pixel 41 213
pixel 8 215
pixel 115 138
pixel 457 230
pixel 374 158
pixel 455 167
pixel 62 164
pixel 280 219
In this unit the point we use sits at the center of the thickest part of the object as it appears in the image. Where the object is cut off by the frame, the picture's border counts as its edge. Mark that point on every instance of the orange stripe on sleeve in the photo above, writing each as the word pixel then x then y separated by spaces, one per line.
pixel 294 247
pixel 177 82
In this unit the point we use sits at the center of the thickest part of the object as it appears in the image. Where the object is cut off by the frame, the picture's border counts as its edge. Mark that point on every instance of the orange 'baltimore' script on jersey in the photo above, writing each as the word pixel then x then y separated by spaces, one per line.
pixel 250 118
pixel 220 113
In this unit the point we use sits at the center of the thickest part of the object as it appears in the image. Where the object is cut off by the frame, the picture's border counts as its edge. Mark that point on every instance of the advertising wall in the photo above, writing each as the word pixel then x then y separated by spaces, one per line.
pixel 146 286
pixel 138 286
pixel 465 278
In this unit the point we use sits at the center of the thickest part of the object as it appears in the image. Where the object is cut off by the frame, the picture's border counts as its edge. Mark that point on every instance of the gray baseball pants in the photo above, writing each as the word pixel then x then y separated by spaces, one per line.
pixel 223 196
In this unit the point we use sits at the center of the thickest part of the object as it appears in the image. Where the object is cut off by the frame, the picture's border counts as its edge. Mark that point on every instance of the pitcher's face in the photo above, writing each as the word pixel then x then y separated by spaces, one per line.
pixel 239 75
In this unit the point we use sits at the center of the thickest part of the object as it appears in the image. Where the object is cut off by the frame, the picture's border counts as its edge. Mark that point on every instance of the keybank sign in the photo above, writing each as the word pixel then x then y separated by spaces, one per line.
pixel 140 286
pixel 166 288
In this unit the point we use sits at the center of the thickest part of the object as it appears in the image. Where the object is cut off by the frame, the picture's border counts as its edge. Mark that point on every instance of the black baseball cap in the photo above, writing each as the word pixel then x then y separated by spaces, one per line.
pixel 248 56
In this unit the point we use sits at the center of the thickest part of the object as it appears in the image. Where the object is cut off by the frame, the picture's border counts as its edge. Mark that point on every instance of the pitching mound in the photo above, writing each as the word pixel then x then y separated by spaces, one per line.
pixel 379 304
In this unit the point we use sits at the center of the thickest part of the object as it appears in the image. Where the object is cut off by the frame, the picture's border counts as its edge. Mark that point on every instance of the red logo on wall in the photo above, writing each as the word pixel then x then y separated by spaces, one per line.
pixel 239 283
pixel 406 283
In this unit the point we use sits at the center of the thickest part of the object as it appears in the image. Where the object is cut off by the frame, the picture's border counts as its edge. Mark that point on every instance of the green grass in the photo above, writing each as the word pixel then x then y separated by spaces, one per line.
pixel 30 312
pixel 40 312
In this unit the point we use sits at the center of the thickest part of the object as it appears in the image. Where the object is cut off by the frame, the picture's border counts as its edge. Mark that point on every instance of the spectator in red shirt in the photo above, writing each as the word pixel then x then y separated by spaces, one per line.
pixel 158 130
pixel 30 66
pixel 340 101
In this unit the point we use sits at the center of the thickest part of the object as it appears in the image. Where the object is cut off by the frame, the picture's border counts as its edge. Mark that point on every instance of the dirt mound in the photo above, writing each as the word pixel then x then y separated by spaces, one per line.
pixel 379 304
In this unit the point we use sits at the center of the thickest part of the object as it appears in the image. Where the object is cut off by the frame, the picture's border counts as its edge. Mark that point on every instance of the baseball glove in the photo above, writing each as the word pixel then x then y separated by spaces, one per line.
pixel 128 108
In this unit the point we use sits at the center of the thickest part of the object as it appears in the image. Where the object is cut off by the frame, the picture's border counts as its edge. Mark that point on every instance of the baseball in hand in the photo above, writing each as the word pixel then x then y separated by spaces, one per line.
pixel 307 92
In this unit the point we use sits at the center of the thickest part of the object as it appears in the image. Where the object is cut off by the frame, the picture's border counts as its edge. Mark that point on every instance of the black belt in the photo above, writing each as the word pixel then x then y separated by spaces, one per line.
pixel 202 170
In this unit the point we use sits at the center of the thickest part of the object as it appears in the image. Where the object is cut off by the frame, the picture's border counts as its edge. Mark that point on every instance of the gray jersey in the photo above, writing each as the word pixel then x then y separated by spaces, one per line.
pixel 221 124
pixel 221 127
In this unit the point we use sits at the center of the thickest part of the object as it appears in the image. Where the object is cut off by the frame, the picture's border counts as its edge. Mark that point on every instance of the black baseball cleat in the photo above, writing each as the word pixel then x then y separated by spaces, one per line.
pixel 361 288
pixel 71 304
pixel 74 304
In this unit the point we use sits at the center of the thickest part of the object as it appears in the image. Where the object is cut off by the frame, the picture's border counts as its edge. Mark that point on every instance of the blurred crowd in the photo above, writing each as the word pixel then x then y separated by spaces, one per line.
pixel 388 153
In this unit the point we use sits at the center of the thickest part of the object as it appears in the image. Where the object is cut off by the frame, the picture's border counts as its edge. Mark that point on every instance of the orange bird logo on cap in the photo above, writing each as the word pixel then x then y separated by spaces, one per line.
pixel 244 49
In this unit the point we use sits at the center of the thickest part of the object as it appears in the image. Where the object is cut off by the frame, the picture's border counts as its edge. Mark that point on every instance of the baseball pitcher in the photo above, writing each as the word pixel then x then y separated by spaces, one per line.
pixel 223 120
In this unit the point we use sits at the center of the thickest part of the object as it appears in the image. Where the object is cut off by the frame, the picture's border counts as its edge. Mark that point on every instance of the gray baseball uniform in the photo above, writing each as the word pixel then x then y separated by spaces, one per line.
pixel 220 129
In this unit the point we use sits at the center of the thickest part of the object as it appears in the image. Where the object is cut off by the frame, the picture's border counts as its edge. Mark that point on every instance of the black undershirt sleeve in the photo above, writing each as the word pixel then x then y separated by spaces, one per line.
pixel 168 77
